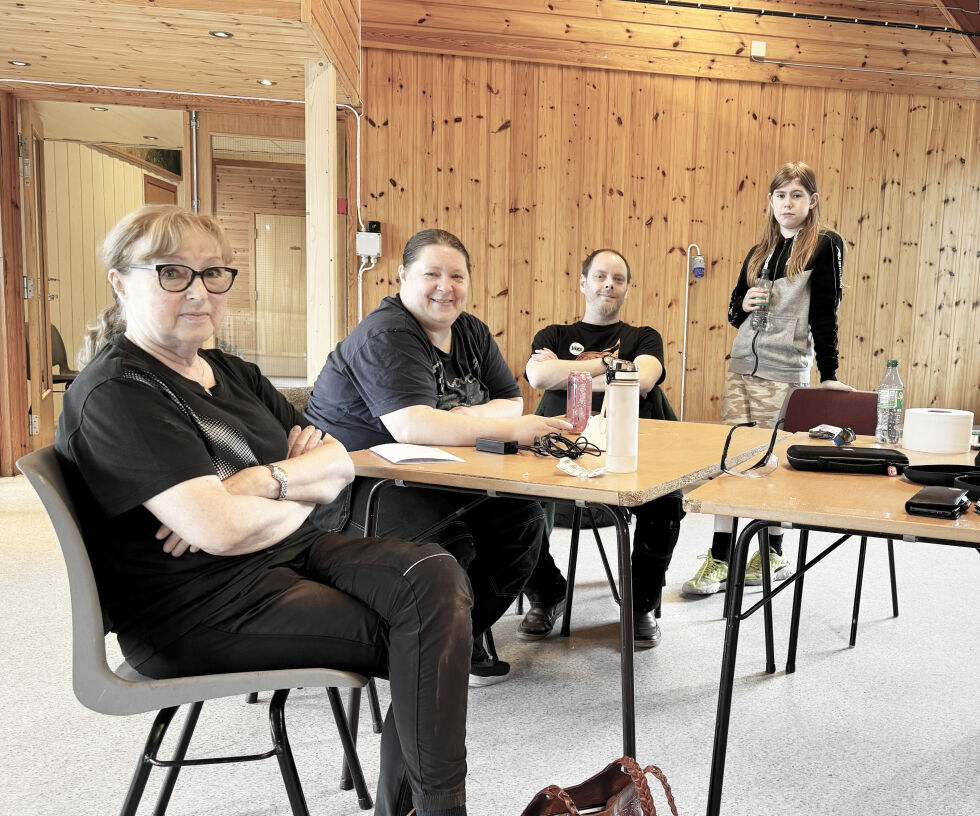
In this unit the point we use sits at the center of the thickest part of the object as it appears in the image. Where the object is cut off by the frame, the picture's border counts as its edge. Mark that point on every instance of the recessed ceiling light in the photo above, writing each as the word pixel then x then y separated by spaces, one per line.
pixel 266 82
pixel 97 108
pixel 18 63
pixel 221 35
pixel 152 138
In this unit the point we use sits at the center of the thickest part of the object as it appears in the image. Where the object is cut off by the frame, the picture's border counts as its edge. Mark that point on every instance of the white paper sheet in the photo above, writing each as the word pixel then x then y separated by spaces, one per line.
pixel 400 454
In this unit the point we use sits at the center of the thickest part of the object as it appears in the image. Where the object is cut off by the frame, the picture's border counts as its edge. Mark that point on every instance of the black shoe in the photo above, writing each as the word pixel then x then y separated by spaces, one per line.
pixel 489 672
pixel 539 621
pixel 646 630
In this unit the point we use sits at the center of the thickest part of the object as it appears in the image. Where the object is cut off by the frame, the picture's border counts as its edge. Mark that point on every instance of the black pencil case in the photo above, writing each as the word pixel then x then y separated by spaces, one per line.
pixel 938 502
pixel 843 459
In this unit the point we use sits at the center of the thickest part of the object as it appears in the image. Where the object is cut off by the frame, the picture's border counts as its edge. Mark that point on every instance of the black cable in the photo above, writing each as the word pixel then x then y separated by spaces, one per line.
pixel 554 444
pixel 825 18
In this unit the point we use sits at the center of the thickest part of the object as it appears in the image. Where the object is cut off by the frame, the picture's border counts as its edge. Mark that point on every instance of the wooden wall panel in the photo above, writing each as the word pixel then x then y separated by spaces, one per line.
pixel 559 176
pixel 697 42
pixel 85 193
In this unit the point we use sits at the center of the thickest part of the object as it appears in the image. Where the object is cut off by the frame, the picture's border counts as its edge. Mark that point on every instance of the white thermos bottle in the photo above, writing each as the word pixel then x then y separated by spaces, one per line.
pixel 622 417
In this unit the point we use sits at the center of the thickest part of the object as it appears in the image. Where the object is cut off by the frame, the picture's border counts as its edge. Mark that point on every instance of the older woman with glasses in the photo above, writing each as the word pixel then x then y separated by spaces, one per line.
pixel 197 480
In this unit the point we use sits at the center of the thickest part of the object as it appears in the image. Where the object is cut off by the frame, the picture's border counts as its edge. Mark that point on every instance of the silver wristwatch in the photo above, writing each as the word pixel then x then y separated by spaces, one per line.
pixel 280 476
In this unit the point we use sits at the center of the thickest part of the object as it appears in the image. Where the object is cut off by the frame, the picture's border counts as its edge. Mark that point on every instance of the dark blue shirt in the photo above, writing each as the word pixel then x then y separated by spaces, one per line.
pixel 388 363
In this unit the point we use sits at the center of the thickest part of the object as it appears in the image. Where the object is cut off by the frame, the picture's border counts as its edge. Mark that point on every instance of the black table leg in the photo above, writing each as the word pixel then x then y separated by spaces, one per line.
pixel 736 583
pixel 766 591
pixel 625 627
pixel 794 626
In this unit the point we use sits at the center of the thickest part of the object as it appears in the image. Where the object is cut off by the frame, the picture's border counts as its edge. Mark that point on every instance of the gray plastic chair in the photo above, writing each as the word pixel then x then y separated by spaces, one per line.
pixel 124 691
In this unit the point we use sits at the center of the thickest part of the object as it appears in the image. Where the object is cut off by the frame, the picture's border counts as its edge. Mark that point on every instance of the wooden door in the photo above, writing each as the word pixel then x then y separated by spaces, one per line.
pixel 280 294
pixel 39 370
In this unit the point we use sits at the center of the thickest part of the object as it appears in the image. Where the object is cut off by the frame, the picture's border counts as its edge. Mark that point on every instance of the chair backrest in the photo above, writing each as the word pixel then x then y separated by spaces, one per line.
pixel 124 691
pixel 806 408
pixel 90 668
pixel 59 355
pixel 298 397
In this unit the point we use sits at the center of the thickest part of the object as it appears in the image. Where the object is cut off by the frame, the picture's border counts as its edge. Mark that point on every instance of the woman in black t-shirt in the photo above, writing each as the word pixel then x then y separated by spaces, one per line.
pixel 420 369
pixel 197 481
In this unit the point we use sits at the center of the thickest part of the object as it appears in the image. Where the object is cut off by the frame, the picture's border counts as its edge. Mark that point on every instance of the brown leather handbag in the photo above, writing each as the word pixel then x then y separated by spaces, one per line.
pixel 619 789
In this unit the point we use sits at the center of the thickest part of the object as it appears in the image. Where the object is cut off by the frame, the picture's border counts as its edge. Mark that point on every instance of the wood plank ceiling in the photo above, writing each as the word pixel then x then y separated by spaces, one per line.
pixel 161 48
pixel 880 45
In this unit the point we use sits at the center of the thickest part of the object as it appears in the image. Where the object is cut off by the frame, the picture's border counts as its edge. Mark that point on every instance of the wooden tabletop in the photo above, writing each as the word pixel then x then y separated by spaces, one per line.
pixel 672 455
pixel 846 501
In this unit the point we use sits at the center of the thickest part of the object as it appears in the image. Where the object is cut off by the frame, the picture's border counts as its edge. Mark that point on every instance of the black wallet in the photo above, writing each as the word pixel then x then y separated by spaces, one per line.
pixel 938 502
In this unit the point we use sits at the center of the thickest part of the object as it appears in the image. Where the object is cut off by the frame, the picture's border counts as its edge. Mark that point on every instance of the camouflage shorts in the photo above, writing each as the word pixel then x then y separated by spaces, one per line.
pixel 752 399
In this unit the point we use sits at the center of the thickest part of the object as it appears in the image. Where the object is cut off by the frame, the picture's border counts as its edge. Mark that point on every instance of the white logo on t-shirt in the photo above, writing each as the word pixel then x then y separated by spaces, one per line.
pixel 576 349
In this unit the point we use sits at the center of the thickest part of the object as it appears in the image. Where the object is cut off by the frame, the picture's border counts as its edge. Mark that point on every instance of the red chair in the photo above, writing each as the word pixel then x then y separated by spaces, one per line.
pixel 806 408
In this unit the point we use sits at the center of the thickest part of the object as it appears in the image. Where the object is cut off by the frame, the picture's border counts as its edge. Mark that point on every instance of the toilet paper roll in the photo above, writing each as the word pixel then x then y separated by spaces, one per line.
pixel 937 430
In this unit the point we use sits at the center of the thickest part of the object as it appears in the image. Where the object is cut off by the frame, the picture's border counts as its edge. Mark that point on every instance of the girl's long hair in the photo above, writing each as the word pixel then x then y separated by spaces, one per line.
pixel 152 231
pixel 806 239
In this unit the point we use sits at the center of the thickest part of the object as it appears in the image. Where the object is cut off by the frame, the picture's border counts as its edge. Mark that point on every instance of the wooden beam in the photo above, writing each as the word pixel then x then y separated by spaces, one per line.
pixel 89 95
pixel 13 359
pixel 325 290
pixel 960 18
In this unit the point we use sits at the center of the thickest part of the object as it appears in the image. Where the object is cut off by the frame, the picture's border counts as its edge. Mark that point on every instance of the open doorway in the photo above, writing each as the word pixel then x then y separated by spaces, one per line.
pixel 93 164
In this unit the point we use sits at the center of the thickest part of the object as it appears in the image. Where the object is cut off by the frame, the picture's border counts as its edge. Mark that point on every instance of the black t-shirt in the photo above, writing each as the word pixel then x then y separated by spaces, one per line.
pixel 581 340
pixel 388 363
pixel 132 428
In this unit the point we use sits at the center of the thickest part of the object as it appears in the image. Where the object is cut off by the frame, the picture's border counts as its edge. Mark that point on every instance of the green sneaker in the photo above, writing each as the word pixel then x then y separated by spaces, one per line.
pixel 779 566
pixel 710 578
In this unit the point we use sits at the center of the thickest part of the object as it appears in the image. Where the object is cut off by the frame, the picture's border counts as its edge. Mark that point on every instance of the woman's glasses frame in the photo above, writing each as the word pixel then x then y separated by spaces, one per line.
pixel 766 465
pixel 214 284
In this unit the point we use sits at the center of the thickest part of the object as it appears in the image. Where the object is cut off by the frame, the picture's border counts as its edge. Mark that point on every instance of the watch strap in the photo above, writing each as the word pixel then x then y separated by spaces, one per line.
pixel 280 476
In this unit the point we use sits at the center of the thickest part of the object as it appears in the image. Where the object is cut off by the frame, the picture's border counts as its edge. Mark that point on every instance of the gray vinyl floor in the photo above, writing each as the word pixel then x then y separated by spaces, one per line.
pixel 889 727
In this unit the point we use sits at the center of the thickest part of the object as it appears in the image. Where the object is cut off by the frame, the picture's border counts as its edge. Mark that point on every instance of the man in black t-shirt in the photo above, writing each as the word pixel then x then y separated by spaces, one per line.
pixel 560 349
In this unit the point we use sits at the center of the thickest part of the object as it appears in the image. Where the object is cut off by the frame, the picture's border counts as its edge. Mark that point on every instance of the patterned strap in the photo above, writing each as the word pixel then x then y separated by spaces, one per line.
pixel 638 776
pixel 559 793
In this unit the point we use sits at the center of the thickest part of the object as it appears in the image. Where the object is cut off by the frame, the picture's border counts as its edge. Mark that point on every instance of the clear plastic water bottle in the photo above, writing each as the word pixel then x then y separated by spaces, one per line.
pixel 761 318
pixel 891 395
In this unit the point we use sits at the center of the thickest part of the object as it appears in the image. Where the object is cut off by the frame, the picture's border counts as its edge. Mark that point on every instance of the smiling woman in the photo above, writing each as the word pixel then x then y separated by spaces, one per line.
pixel 421 369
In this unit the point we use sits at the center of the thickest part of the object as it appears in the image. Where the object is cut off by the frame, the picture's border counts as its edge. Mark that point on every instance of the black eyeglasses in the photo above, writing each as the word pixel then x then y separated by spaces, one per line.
pixel 177 277
pixel 766 465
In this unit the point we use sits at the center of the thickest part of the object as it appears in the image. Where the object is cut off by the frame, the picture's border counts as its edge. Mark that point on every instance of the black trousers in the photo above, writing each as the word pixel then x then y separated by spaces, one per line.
pixel 658 525
pixel 497 543
pixel 376 606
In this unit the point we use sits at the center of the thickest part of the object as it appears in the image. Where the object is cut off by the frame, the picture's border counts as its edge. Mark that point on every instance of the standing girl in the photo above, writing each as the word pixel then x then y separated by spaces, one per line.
pixel 805 263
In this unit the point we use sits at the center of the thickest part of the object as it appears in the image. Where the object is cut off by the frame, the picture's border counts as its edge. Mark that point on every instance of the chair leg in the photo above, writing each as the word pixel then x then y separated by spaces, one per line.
pixel 170 780
pixel 376 718
pixel 277 723
pixel 566 619
pixel 351 760
pixel 605 561
pixel 353 715
pixel 138 783
pixel 520 603
pixel 794 626
pixel 252 697
pixel 857 590
pixel 891 572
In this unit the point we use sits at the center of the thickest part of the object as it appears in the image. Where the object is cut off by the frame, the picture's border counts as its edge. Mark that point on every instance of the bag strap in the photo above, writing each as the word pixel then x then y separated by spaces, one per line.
pixel 559 793
pixel 638 775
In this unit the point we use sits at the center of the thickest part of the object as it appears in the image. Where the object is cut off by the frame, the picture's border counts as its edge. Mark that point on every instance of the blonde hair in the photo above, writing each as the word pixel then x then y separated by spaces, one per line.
pixel 806 240
pixel 152 231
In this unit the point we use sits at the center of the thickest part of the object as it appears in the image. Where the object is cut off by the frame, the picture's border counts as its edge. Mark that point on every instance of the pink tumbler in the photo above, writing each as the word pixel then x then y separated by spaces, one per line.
pixel 579 405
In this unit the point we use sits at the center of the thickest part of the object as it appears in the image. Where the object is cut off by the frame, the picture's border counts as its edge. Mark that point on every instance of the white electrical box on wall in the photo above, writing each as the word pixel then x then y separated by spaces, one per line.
pixel 368 244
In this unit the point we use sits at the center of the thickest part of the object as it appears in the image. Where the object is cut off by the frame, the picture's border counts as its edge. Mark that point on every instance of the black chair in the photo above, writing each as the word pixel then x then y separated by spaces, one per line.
pixel 59 357
pixel 125 691
pixel 805 408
